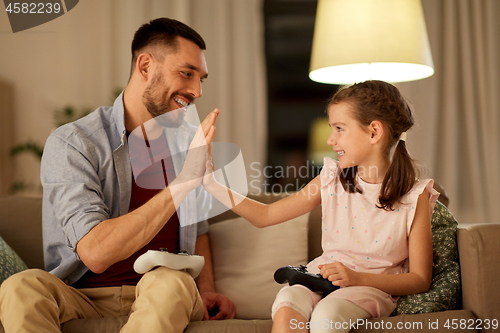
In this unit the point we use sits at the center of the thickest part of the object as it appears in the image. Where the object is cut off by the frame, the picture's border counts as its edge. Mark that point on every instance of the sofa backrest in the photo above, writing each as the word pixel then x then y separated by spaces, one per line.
pixel 21 227
pixel 314 232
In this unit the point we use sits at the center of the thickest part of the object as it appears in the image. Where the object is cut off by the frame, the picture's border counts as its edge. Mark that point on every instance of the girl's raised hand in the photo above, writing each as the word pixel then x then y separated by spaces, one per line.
pixel 339 274
pixel 208 178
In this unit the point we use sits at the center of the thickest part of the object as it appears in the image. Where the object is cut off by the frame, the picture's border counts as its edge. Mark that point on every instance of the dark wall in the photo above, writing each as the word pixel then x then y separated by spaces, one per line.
pixel 294 101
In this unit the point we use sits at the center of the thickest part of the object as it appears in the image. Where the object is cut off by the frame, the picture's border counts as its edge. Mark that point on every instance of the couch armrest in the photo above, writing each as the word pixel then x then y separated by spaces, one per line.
pixel 479 251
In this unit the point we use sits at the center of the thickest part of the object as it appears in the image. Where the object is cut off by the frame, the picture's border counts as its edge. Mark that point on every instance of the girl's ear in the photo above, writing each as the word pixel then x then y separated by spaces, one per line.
pixel 376 131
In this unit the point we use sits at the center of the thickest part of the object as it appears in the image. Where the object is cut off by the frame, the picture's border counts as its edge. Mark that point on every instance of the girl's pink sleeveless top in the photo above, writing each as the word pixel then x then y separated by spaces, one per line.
pixel 363 237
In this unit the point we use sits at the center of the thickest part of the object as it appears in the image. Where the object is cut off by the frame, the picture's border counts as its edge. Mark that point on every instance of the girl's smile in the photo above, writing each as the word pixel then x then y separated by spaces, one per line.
pixel 357 144
pixel 348 138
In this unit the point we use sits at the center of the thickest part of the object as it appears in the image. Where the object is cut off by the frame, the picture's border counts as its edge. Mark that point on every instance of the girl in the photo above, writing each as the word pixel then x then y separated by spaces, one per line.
pixel 376 234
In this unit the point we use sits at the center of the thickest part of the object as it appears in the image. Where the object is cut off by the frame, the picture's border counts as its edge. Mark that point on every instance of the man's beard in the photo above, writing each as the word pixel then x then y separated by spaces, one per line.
pixel 157 103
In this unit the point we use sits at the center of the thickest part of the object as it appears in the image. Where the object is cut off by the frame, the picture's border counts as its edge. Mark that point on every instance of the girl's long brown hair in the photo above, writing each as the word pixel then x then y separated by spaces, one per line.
pixel 378 100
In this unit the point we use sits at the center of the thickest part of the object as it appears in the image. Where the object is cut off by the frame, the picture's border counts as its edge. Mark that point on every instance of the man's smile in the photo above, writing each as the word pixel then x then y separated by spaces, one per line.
pixel 181 101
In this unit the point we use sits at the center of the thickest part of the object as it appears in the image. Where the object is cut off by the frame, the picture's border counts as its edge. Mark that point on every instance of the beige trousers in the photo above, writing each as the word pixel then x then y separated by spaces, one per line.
pixel 164 300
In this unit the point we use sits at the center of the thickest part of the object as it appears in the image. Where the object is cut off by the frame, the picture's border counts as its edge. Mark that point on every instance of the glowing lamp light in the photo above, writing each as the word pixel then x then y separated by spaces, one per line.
pixel 358 40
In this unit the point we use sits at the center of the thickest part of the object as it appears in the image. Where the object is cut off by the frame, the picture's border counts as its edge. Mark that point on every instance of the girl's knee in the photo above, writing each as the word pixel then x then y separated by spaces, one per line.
pixel 330 307
pixel 337 313
pixel 296 298
pixel 286 312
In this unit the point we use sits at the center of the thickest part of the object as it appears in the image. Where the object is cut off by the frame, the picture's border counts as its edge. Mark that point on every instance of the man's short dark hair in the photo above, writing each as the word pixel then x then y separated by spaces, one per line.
pixel 163 32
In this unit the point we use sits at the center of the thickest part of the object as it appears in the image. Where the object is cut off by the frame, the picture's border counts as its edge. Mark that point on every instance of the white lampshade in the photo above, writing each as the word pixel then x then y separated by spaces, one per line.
pixel 358 40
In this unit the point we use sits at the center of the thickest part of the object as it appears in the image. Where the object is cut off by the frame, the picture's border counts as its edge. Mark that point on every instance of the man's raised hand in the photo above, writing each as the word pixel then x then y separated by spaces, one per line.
pixel 199 150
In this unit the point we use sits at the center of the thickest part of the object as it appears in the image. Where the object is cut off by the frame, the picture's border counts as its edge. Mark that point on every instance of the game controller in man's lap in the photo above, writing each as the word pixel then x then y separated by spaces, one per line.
pixel 182 261
pixel 300 275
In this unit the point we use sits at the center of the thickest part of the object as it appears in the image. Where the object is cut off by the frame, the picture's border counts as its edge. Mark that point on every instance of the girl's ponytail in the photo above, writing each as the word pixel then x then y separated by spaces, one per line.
pixel 399 179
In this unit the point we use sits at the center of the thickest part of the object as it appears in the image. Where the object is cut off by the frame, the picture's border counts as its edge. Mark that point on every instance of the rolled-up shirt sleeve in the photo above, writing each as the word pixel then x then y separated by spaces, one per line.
pixel 72 187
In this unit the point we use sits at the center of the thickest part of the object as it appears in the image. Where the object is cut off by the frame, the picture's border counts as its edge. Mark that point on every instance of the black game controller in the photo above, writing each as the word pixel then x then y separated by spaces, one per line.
pixel 300 275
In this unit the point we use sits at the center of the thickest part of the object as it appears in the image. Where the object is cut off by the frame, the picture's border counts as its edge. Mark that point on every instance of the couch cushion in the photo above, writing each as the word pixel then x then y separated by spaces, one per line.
pixel 245 259
pixel 10 263
pixel 230 326
pixel 437 322
pixel 445 286
pixel 113 325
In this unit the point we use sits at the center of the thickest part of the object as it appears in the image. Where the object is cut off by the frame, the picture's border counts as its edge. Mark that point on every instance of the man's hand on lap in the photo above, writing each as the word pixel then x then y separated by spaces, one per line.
pixel 211 300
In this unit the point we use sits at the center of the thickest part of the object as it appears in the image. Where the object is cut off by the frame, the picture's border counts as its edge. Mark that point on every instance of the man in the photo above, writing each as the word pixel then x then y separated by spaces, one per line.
pixel 97 219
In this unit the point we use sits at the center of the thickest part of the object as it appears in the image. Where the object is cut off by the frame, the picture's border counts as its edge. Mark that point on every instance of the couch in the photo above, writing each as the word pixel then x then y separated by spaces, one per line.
pixel 244 258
